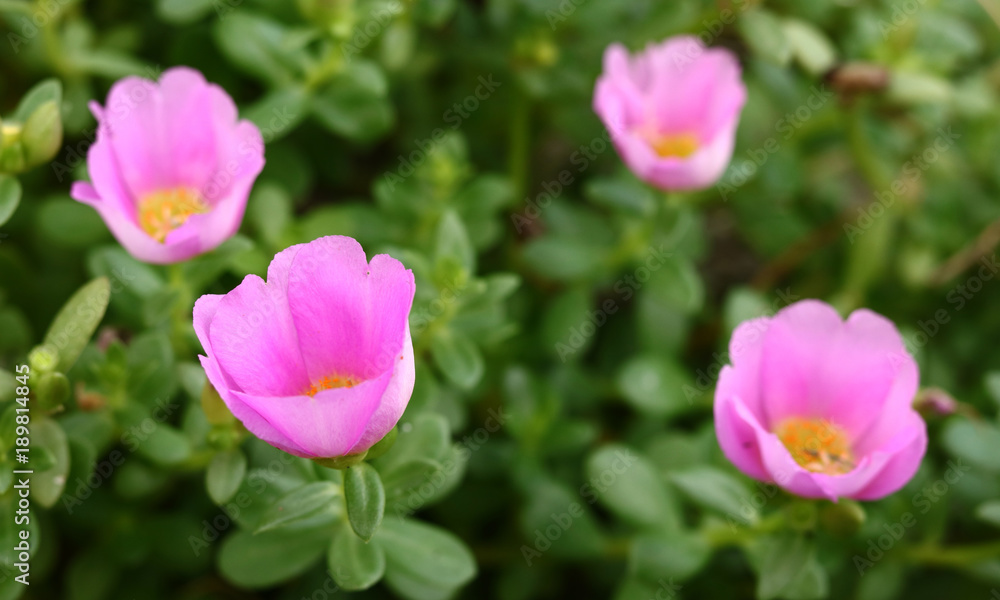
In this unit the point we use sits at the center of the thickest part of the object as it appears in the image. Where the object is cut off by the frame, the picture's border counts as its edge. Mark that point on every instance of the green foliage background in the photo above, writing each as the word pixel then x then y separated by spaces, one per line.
pixel 559 441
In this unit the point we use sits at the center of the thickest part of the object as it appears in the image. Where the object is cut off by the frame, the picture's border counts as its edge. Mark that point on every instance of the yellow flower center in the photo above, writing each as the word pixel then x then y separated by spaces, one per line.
pixel 163 211
pixel 327 383
pixel 817 444
pixel 680 145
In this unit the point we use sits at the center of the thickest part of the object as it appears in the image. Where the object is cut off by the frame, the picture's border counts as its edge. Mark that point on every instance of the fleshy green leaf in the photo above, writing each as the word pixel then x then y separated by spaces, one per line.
pixel 302 503
pixel 365 499
pixel 355 564
pixel 426 556
pixel 76 322
pixel 10 197
pixel 266 559
pixel 458 358
pixel 225 474
pixel 48 485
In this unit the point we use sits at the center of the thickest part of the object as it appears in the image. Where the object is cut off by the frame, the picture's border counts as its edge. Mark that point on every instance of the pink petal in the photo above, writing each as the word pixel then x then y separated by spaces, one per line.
pixel 351 316
pixel 737 438
pixel 250 418
pixel 253 337
pixel 795 348
pixel 329 424
pixel 394 400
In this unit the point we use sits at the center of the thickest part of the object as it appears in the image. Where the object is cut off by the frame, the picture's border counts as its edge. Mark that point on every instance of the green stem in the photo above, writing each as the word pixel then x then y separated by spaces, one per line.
pixel 719 537
pixel 954 556
pixel 520 141
pixel 868 253
pixel 180 317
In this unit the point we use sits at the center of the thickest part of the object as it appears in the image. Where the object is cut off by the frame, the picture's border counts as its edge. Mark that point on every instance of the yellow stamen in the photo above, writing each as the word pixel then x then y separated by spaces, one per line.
pixel 163 211
pixel 327 383
pixel 680 145
pixel 817 444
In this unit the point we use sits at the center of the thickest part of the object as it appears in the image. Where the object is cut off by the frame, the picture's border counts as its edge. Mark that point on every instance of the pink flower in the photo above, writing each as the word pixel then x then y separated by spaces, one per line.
pixel 318 360
pixel 821 406
pixel 172 167
pixel 672 110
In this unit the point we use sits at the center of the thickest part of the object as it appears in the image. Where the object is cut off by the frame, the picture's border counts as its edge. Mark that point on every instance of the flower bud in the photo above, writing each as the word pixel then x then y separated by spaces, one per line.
pixel 842 519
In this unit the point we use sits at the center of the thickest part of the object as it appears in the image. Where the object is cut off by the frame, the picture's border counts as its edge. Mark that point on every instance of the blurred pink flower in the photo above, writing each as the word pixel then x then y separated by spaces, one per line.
pixel 172 166
pixel 672 110
pixel 820 406
pixel 318 360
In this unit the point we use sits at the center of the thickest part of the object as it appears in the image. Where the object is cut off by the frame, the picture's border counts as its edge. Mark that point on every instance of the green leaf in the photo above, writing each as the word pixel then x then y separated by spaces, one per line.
pixel 453 242
pixel 783 560
pixel 70 224
pixel 764 33
pixel 182 12
pixel 989 512
pixel 260 47
pixel 458 358
pixel 884 583
pixel 76 322
pixel 426 436
pixel 810 46
pixel 916 88
pixel 42 134
pixel 716 490
pixel 629 485
pixel 975 441
pixel 307 501
pixel 260 561
pixel 355 564
pixel 627 195
pixel 557 520
pixel 164 446
pixel 49 90
pixel 654 557
pixel 225 474
pixel 565 258
pixel 365 499
pixel 654 386
pixel 354 104
pixel 424 555
pixel 270 211
pixel 279 112
pixel 10 197
pixel 48 485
